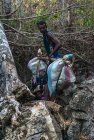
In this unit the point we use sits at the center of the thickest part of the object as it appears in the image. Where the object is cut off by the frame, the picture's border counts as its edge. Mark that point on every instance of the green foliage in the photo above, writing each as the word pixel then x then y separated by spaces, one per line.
pixel 39 10
pixel 85 14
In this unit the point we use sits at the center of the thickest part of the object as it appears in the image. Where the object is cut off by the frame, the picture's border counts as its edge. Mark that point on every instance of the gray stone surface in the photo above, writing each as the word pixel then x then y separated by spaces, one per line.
pixel 35 123
pixel 41 120
pixel 9 80
pixel 82 110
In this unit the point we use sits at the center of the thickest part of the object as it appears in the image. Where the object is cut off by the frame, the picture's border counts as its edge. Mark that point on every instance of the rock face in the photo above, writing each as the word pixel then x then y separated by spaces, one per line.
pixel 35 123
pixel 11 88
pixel 78 111
pixel 49 121
pixel 9 80
pixel 82 113
pixel 17 120
pixel 21 119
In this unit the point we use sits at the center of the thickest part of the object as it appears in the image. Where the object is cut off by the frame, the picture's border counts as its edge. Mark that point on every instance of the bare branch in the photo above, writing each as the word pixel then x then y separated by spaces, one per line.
pixel 52 13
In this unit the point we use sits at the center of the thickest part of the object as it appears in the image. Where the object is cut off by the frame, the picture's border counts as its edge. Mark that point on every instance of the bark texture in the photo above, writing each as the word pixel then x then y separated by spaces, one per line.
pixel 6 4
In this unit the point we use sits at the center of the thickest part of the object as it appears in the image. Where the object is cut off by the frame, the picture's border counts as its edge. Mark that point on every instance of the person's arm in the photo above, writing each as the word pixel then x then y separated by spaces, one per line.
pixel 55 41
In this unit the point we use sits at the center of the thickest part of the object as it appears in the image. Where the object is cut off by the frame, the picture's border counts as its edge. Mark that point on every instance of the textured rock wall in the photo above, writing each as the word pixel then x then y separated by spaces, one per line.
pixel 80 112
pixel 38 120
pixel 9 80
pixel 19 121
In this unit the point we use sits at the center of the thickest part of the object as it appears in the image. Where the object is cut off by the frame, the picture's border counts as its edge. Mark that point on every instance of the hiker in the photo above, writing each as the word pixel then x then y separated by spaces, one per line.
pixel 51 43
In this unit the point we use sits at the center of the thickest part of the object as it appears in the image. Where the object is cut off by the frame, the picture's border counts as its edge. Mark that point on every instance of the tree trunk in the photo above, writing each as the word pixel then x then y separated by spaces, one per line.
pixel 6 7
pixel 9 81
pixel 66 14
pixel 0 7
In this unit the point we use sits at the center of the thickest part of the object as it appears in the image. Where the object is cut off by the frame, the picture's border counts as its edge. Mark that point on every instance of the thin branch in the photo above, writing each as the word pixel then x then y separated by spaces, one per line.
pixel 58 34
pixel 33 17
pixel 17 31
pixel 20 45
pixel 77 55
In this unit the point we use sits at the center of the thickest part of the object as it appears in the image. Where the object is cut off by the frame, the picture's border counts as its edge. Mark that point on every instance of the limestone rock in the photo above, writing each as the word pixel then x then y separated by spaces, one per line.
pixel 9 80
pixel 82 113
pixel 36 123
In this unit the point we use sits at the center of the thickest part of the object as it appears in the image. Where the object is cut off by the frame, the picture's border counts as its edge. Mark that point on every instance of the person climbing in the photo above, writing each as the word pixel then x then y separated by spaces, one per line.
pixel 51 43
